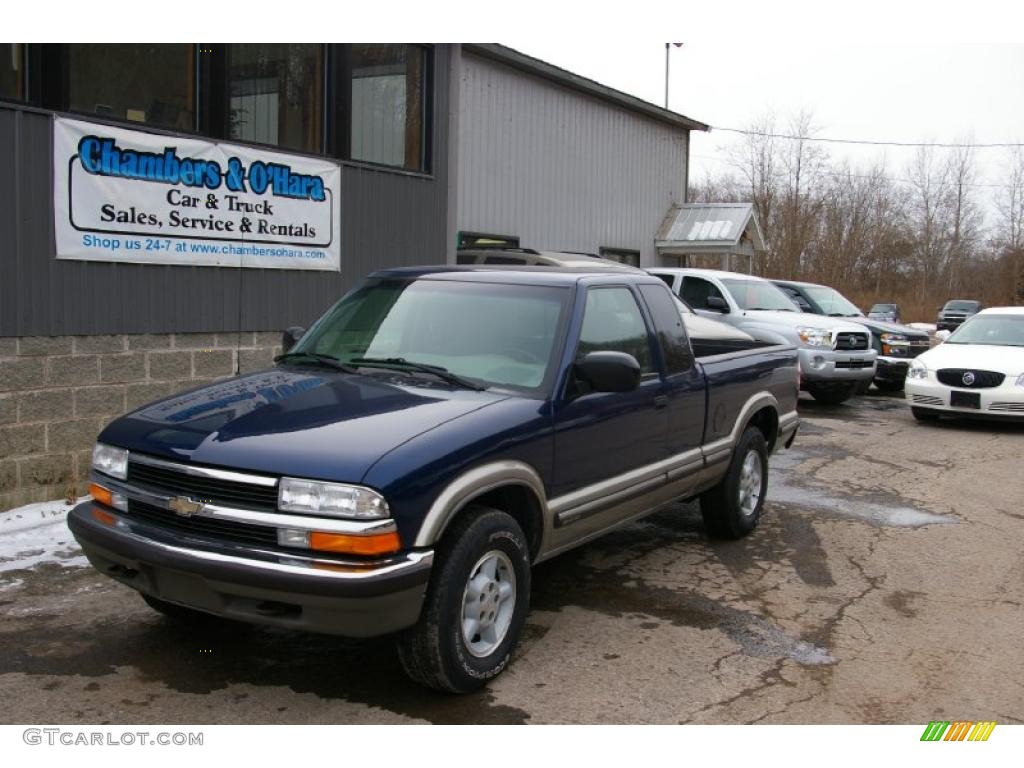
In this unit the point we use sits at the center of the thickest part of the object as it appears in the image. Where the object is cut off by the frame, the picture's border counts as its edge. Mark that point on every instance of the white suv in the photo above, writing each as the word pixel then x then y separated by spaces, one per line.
pixel 835 355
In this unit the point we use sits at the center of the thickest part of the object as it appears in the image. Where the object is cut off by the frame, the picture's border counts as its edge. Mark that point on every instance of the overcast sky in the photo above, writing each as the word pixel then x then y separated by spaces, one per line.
pixel 939 93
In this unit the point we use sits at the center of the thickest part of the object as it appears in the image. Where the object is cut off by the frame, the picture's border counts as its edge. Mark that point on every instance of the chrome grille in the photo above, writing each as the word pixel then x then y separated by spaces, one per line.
pixel 228 530
pixel 850 341
pixel 954 377
pixel 1010 407
pixel 172 481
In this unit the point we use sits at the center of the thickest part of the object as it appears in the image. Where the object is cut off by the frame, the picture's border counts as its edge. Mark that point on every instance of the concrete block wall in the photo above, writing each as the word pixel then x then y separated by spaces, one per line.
pixel 58 392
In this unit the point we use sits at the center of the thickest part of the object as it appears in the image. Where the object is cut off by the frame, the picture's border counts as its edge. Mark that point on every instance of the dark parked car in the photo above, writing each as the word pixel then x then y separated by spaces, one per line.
pixel 890 313
pixel 953 313
pixel 430 438
pixel 896 344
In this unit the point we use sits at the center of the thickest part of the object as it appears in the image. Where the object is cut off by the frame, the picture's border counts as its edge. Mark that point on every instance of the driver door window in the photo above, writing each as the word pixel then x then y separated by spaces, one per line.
pixel 697 290
pixel 612 323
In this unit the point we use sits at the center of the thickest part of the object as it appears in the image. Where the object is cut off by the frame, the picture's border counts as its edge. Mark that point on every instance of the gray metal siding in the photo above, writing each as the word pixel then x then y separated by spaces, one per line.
pixel 561 169
pixel 387 219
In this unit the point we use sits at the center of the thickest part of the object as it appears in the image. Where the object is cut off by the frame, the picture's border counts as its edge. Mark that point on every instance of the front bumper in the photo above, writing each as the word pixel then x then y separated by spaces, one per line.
pixel 1005 401
pixel 351 598
pixel 826 365
pixel 892 368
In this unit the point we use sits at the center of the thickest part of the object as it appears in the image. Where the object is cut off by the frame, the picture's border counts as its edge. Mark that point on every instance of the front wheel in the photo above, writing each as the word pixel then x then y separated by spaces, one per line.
pixel 834 394
pixel 732 509
pixel 475 607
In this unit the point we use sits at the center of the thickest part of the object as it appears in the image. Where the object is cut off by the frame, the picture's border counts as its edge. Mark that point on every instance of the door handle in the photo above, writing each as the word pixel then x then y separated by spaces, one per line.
pixel 661 401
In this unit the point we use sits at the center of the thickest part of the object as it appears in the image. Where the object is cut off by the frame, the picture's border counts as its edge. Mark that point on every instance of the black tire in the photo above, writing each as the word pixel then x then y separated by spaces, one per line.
pixel 435 652
pixel 888 385
pixel 924 414
pixel 721 507
pixel 178 613
pixel 864 387
pixel 832 394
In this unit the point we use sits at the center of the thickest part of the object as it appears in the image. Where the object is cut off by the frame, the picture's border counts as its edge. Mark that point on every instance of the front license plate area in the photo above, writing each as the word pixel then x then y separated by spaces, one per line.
pixel 965 399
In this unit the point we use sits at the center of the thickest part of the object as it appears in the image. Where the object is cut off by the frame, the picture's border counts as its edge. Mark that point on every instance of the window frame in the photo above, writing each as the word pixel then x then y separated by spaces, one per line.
pixel 25 78
pixel 47 83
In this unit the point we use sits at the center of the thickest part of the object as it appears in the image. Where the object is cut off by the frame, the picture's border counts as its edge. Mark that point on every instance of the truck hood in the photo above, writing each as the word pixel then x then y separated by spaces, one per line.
pixel 292 421
pixel 986 357
pixel 885 326
pixel 791 320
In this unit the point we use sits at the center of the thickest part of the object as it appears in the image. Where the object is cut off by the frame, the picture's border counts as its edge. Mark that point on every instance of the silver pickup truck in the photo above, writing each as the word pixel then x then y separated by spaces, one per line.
pixel 835 355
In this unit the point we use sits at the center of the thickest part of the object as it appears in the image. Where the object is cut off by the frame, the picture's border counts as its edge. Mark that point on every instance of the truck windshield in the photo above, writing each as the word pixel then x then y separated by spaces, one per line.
pixel 993 330
pixel 759 294
pixel 883 308
pixel 495 334
pixel 962 306
pixel 831 301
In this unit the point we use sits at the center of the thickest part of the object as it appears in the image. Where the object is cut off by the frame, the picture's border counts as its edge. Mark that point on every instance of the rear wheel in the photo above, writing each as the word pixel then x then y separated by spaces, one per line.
pixel 832 394
pixel 924 414
pixel 475 607
pixel 732 509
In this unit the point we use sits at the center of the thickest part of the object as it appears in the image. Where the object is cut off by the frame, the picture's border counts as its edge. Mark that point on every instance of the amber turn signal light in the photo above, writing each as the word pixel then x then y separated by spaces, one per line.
pixel 372 544
pixel 101 494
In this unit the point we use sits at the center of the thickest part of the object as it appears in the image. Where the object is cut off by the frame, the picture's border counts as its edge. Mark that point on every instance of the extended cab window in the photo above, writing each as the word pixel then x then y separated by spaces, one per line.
pixel 669 324
pixel 696 291
pixel 612 323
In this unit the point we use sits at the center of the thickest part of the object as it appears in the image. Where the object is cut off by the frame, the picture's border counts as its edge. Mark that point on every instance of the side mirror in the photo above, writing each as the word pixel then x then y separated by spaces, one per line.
pixel 718 304
pixel 609 371
pixel 290 337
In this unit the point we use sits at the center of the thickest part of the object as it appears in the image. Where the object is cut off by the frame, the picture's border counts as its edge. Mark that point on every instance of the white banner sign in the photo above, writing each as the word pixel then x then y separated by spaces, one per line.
pixel 122 195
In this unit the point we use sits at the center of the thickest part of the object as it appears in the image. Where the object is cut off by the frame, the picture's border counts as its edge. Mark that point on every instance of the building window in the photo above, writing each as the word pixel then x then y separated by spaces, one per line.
pixel 276 94
pixel 142 83
pixel 483 240
pixel 387 100
pixel 12 71
pixel 621 255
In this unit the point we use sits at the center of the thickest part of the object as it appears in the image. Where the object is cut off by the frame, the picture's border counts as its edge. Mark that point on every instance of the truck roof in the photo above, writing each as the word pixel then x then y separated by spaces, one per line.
pixel 719 273
pixel 534 275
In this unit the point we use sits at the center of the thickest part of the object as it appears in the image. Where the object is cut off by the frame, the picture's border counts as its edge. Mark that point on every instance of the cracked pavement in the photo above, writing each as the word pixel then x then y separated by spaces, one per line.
pixel 885 585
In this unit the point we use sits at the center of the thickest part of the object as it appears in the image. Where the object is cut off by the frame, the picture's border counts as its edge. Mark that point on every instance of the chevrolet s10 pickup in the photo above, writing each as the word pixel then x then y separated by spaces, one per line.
pixel 430 438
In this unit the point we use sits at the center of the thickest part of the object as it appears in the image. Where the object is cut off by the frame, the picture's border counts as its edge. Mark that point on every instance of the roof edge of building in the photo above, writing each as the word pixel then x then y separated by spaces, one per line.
pixel 534 66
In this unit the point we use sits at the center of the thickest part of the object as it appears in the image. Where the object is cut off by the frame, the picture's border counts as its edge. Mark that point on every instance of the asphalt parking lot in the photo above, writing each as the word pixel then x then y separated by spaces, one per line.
pixel 885 585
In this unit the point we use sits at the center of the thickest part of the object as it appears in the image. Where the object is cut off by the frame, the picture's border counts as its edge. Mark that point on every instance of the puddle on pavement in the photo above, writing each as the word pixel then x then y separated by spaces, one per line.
pixel 877 508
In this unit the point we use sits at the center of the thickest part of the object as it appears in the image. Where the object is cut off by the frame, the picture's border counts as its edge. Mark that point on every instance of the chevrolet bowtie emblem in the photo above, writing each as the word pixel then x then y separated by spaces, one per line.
pixel 184 506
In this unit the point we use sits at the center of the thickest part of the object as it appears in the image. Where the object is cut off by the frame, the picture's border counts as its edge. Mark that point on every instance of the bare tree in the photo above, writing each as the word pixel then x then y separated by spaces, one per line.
pixel 1010 223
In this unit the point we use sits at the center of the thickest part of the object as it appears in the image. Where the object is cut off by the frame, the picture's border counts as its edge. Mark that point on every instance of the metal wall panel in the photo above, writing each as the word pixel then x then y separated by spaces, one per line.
pixel 559 168
pixel 388 219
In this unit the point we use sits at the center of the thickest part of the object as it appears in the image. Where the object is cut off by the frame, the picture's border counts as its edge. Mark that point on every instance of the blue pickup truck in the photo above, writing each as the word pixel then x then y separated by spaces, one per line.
pixel 435 434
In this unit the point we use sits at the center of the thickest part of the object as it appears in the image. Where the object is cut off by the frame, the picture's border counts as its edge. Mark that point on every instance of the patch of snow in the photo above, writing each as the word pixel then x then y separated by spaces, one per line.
pixel 37 534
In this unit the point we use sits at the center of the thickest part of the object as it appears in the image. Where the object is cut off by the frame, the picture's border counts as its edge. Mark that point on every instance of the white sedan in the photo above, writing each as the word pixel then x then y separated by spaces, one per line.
pixel 977 371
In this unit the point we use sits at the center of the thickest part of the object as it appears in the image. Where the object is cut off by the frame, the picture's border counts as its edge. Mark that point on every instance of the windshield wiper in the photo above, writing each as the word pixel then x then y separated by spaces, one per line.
pixel 329 360
pixel 441 372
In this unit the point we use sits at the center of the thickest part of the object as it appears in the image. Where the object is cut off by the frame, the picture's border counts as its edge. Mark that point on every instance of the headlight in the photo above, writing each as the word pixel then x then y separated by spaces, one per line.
pixel 917 370
pixel 332 499
pixel 110 461
pixel 1020 380
pixel 815 337
pixel 887 337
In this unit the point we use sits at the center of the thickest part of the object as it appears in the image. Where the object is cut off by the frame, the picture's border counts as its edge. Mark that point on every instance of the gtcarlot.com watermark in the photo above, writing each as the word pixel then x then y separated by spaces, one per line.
pixel 71 737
